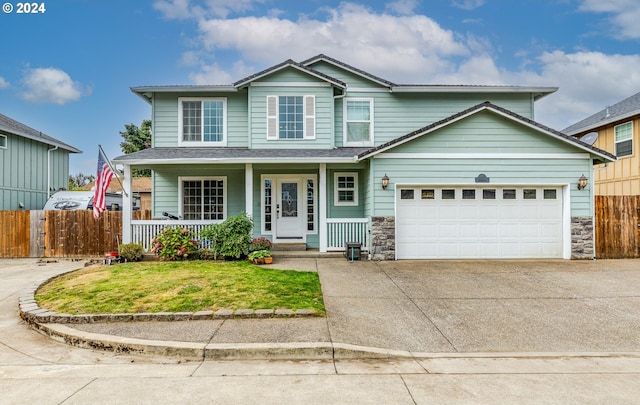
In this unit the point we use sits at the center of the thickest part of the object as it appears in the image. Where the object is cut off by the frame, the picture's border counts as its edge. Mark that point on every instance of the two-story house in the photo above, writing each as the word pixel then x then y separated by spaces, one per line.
pixel 616 129
pixel 33 165
pixel 323 153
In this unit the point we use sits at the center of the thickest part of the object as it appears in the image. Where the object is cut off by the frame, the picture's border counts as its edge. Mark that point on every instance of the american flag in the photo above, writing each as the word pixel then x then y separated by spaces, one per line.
pixel 103 179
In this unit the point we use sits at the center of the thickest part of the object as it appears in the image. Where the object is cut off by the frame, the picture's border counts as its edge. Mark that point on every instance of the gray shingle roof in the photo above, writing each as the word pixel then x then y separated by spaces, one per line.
pixel 478 107
pixel 12 126
pixel 223 154
pixel 294 64
pixel 624 109
pixel 361 72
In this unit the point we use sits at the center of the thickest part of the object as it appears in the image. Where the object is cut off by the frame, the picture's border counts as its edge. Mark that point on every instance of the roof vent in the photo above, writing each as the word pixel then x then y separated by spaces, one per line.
pixel 607 114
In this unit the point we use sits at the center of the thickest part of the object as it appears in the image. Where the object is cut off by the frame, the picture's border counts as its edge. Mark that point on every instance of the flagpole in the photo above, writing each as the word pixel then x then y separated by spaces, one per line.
pixel 113 169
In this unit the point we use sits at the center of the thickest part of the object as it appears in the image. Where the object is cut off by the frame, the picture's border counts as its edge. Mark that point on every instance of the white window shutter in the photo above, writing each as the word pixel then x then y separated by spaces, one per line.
pixel 309 117
pixel 272 117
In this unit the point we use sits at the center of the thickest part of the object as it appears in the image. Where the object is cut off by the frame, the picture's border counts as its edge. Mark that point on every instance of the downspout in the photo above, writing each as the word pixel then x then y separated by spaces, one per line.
pixel 333 118
pixel 49 170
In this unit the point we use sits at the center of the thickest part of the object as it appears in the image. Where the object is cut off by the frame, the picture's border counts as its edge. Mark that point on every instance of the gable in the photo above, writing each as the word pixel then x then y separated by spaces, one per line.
pixel 485 132
pixel 290 75
pixel 352 79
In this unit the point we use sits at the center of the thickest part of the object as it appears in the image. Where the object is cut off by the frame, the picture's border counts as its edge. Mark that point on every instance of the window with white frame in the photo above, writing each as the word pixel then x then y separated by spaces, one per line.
pixel 202 121
pixel 291 117
pixel 345 188
pixel 203 198
pixel 3 142
pixel 358 122
pixel 624 139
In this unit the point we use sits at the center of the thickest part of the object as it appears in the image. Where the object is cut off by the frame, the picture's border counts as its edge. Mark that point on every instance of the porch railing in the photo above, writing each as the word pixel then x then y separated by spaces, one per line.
pixel 343 230
pixel 143 232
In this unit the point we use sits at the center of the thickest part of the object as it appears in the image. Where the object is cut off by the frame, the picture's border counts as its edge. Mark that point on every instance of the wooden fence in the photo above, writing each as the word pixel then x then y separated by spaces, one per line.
pixel 60 233
pixel 616 226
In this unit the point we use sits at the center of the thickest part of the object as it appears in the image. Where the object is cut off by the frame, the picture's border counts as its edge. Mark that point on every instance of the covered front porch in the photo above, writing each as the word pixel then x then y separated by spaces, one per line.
pixel 319 205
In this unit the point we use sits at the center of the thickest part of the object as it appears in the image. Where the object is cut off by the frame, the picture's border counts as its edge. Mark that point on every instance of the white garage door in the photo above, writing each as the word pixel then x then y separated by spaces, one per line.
pixel 478 222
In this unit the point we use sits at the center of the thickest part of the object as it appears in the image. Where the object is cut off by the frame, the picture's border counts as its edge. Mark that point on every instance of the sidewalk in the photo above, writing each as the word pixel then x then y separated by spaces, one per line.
pixel 417 309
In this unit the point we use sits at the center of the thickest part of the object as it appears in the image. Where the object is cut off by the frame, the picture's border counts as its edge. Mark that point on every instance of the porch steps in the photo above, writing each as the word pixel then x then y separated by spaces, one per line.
pixel 289 247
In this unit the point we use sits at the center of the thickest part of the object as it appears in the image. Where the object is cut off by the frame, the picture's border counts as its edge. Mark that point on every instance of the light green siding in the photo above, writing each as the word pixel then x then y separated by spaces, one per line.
pixel 24 173
pixel 165 118
pixel 166 185
pixel 479 134
pixel 351 79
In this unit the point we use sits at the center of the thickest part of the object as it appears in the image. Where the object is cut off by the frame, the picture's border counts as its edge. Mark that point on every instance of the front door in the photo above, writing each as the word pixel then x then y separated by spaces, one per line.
pixel 289 210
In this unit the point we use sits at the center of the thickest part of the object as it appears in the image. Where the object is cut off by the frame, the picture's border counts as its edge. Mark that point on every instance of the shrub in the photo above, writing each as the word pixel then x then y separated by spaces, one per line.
pixel 131 252
pixel 231 238
pixel 260 244
pixel 174 244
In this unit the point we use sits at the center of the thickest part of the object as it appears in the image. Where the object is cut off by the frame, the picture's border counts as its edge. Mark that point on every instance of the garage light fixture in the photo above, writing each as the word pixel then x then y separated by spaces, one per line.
pixel 582 182
pixel 385 181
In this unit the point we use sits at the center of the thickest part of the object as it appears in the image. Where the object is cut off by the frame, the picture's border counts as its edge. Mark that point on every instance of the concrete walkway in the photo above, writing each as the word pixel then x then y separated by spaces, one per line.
pixel 416 309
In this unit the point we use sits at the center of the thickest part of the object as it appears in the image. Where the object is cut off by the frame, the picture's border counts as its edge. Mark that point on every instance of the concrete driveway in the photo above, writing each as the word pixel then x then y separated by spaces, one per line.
pixel 484 306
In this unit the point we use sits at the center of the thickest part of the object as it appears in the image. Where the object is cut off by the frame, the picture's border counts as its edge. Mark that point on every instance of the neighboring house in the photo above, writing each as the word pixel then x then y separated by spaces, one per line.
pixel 323 153
pixel 615 129
pixel 141 187
pixel 32 166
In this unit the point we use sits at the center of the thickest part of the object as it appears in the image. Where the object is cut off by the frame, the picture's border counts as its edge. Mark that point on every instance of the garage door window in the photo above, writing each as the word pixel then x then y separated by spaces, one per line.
pixel 529 193
pixel 406 194
pixel 550 194
pixel 428 194
pixel 489 194
pixel 468 194
pixel 448 194
pixel 509 194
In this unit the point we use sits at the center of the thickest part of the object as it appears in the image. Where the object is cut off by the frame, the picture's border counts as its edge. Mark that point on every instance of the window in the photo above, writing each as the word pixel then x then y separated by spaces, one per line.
pixel 203 198
pixel 549 194
pixel 311 204
pixel 346 189
pixel 291 117
pixel 428 194
pixel 469 194
pixel 3 142
pixel 358 122
pixel 529 194
pixel 509 194
pixel 624 139
pixel 489 194
pixel 406 194
pixel 202 121
pixel 448 194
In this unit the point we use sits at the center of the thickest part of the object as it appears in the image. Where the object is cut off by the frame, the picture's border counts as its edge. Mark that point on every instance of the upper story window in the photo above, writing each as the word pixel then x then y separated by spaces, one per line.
pixel 624 139
pixel 3 142
pixel 202 121
pixel 358 122
pixel 291 117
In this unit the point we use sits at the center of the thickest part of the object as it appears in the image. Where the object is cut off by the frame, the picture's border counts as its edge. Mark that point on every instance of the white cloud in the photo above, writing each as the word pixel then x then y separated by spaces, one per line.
pixel 184 9
pixel 3 83
pixel 467 4
pixel 403 7
pixel 51 85
pixel 625 15
pixel 412 47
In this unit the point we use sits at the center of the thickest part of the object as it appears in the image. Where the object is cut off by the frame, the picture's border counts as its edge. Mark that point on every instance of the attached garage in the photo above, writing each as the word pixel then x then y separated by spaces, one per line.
pixel 470 222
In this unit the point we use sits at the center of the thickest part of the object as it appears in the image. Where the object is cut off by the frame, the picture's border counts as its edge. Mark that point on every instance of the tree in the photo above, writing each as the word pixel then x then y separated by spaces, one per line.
pixel 79 180
pixel 135 140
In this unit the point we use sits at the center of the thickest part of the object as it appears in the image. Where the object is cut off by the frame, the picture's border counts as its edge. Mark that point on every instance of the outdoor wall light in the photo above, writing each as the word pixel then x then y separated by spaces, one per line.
pixel 582 182
pixel 385 181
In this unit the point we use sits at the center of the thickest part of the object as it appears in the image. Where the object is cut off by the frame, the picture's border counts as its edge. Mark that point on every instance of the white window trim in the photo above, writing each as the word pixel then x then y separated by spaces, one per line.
pixel 3 145
pixel 181 142
pixel 345 141
pixel 182 179
pixel 615 143
pixel 336 201
pixel 308 119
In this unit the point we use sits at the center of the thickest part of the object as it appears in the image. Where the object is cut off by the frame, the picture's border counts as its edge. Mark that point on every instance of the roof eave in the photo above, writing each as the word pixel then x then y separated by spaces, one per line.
pixel 197 161
pixel 289 64
pixel 604 123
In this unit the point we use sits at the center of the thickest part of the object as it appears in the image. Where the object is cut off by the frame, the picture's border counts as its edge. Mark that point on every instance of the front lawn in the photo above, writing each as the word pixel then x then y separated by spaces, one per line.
pixel 187 286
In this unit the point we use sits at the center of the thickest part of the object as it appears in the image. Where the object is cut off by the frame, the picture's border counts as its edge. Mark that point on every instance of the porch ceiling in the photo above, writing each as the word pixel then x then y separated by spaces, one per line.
pixel 238 155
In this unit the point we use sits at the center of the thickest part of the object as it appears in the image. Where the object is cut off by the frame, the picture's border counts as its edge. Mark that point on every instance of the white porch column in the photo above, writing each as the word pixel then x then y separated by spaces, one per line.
pixel 322 207
pixel 127 199
pixel 248 192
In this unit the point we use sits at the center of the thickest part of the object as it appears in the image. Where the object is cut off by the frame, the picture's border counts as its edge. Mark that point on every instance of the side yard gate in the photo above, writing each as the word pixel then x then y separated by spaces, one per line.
pixel 617 222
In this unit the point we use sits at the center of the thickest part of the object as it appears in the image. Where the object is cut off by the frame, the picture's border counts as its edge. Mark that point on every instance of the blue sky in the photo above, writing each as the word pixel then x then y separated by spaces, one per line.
pixel 67 71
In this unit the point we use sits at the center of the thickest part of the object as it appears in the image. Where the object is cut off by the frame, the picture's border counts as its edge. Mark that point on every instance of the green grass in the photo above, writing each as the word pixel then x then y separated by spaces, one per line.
pixel 180 287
